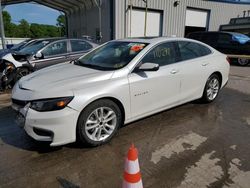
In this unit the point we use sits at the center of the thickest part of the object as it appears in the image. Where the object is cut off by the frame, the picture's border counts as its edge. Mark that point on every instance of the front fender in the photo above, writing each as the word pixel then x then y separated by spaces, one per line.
pixel 117 89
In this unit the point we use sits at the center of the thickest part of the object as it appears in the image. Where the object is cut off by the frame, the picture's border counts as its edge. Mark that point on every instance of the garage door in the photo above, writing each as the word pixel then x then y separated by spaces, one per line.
pixel 154 23
pixel 196 20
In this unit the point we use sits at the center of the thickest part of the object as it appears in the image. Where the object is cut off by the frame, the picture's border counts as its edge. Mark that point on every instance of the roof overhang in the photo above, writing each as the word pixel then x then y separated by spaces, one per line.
pixel 66 6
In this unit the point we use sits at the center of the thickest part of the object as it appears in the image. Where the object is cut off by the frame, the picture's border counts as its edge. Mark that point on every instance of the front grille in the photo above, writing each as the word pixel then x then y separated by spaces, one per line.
pixel 19 102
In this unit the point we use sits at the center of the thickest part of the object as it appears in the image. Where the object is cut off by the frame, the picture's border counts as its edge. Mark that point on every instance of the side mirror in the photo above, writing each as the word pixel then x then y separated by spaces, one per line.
pixel 39 55
pixel 148 67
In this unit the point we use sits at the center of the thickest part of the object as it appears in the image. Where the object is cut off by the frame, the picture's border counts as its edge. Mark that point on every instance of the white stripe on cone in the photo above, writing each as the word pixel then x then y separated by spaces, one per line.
pixel 132 167
pixel 132 185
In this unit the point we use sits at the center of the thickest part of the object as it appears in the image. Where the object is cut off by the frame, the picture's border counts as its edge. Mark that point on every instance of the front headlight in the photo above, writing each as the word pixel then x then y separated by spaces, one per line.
pixel 45 105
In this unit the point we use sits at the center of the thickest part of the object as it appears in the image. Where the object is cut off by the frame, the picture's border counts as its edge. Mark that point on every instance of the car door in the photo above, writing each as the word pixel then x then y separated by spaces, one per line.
pixel 154 90
pixel 78 48
pixel 54 53
pixel 193 69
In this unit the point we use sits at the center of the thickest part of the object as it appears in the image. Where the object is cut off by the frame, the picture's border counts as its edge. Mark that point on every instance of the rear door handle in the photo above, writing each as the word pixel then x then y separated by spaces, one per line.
pixel 205 63
pixel 174 71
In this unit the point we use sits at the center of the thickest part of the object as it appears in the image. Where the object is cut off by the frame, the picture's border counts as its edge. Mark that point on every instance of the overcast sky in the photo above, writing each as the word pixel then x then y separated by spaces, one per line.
pixel 33 13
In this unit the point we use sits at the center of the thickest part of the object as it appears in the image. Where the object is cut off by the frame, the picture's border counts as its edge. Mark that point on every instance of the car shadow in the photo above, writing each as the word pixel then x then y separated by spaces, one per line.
pixel 13 135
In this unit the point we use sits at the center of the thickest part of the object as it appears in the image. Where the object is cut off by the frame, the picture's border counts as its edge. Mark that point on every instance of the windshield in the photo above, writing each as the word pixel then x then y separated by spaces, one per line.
pixel 112 56
pixel 20 45
pixel 34 47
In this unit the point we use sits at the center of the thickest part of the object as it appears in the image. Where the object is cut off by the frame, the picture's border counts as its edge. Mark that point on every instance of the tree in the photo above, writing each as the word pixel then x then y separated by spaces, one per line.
pixel 9 27
pixel 23 29
pixel 37 31
pixel 26 30
pixel 61 23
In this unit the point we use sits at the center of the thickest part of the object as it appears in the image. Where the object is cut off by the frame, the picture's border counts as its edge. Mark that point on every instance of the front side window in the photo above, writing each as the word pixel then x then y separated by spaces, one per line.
pixel 79 45
pixel 34 47
pixel 56 48
pixel 113 55
pixel 191 50
pixel 163 54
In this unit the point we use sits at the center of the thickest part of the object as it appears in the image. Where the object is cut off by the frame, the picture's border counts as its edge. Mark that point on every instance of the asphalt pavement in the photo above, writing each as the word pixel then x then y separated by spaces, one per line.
pixel 193 145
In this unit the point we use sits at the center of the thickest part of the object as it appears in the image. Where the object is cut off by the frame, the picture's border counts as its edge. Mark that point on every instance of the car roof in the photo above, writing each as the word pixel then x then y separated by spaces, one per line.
pixel 60 38
pixel 153 40
pixel 226 32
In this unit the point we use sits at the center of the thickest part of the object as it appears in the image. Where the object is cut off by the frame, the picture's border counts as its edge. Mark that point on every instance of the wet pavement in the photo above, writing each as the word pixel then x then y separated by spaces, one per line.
pixel 194 145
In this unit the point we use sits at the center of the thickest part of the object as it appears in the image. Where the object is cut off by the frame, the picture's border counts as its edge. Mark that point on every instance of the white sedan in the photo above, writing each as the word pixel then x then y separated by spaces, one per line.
pixel 114 84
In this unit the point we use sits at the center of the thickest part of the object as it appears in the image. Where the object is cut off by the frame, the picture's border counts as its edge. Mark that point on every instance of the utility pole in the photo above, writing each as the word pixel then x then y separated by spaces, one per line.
pixel 130 17
pixel 2 26
pixel 146 16
pixel 99 4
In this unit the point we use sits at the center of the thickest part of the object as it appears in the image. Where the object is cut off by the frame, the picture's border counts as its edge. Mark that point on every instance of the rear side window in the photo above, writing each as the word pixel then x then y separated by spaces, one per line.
pixel 210 39
pixel 80 45
pixel 191 50
pixel 163 54
pixel 224 39
pixel 195 36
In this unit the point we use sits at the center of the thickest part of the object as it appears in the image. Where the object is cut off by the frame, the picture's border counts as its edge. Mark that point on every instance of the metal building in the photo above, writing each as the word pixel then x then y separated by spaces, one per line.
pixel 126 18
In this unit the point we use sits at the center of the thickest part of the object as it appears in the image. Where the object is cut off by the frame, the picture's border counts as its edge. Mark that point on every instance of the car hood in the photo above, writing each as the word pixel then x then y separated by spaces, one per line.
pixel 3 52
pixel 63 77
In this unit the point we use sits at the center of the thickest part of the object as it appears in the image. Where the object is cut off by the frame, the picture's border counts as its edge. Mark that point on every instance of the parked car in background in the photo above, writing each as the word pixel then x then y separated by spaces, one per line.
pixel 7 69
pixel 39 54
pixel 119 82
pixel 87 37
pixel 232 44
pixel 16 47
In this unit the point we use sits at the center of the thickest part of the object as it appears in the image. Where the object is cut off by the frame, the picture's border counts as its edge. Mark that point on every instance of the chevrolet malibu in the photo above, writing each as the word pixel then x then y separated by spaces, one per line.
pixel 89 99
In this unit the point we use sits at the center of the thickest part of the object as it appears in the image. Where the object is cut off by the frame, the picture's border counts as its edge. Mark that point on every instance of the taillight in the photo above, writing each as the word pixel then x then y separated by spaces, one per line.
pixel 228 60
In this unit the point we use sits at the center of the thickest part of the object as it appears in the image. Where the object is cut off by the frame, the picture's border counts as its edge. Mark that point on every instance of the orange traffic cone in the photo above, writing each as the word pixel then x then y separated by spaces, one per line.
pixel 132 175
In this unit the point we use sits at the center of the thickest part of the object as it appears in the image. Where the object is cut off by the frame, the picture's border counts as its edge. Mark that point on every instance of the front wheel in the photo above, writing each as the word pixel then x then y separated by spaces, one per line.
pixel 98 122
pixel 21 72
pixel 243 61
pixel 211 89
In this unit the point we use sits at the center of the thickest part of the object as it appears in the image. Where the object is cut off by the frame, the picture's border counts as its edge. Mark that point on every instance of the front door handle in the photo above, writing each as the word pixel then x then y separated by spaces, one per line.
pixel 174 71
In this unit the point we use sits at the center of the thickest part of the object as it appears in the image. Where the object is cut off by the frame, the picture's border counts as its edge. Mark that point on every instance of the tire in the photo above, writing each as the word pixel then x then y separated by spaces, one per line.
pixel 94 129
pixel 212 89
pixel 20 73
pixel 243 61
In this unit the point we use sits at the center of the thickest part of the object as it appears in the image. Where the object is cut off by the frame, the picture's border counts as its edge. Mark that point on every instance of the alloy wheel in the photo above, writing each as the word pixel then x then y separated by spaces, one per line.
pixel 100 124
pixel 243 61
pixel 213 89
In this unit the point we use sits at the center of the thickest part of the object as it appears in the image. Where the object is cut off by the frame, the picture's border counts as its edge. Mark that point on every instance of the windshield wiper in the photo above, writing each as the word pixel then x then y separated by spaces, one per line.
pixel 94 66
pixel 75 62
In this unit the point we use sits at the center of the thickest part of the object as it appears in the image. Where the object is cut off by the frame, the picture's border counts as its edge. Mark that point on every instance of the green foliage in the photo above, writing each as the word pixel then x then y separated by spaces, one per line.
pixel 9 27
pixel 26 30
pixel 23 29
pixel 61 23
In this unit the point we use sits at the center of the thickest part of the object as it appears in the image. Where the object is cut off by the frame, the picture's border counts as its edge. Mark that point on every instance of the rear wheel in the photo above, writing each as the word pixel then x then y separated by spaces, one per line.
pixel 98 122
pixel 212 88
pixel 243 61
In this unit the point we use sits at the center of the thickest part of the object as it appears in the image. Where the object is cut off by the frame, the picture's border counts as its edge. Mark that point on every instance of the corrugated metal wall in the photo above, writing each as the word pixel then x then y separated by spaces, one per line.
pixel 85 21
pixel 174 17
